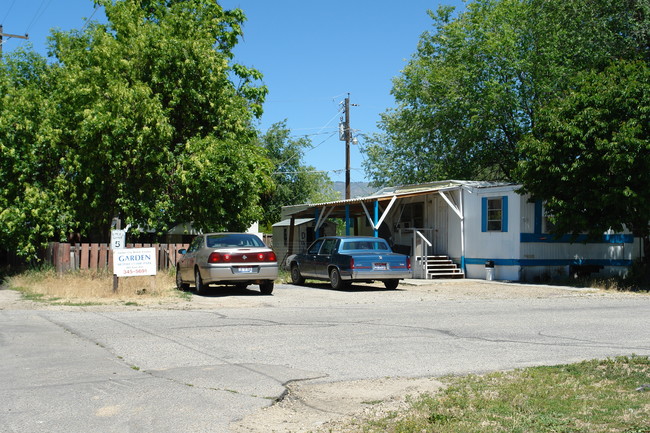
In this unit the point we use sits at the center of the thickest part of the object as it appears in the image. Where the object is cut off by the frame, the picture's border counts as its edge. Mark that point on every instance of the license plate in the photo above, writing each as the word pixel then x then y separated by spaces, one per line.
pixel 380 266
pixel 245 270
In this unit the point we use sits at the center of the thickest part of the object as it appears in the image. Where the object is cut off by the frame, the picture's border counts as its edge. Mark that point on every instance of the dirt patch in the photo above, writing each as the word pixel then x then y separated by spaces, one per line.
pixel 335 407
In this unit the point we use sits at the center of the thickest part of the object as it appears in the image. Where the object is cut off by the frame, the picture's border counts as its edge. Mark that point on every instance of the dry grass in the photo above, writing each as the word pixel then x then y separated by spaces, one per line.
pixel 92 287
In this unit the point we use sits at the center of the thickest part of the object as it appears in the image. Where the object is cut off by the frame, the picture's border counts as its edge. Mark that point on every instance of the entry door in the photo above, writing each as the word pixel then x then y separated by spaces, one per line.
pixel 438 221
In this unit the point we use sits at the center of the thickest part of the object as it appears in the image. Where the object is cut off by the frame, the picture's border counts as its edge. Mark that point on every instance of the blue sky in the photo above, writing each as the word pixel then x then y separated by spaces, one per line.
pixel 312 54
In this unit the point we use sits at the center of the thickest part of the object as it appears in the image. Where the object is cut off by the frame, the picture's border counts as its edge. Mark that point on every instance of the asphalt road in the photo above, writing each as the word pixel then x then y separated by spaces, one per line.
pixel 199 369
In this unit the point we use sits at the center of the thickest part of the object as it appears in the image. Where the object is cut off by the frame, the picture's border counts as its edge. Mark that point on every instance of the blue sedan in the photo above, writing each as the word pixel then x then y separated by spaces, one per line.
pixel 346 259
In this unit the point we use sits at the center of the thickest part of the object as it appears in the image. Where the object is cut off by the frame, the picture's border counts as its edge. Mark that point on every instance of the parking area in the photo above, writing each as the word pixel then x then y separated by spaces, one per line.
pixel 238 361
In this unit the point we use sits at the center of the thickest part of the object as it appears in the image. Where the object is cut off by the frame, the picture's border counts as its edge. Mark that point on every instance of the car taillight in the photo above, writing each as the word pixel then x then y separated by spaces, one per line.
pixel 408 263
pixel 351 262
pixel 219 258
pixel 216 257
pixel 266 257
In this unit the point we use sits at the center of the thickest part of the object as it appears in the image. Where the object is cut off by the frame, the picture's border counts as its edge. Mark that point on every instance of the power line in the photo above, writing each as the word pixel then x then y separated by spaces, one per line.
pixel 336 171
pixel 90 18
pixel 9 10
pixel 38 14
pixel 312 147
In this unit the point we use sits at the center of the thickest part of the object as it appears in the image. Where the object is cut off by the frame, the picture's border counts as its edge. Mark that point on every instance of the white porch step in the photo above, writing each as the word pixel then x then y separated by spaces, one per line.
pixel 442 267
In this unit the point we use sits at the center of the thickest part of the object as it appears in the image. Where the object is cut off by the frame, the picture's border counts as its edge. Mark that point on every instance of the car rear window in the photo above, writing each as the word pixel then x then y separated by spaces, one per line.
pixel 234 240
pixel 365 245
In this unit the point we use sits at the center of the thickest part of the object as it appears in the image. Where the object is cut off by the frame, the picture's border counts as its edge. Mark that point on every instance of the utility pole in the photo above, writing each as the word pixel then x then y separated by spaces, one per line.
pixel 345 134
pixel 9 35
pixel 347 147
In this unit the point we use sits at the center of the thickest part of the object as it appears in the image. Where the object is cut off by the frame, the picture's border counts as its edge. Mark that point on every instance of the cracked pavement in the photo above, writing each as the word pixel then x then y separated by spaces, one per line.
pixel 224 358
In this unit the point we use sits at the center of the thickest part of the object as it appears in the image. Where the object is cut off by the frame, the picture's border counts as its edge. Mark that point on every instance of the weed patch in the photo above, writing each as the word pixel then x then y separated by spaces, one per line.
pixel 592 396
pixel 85 288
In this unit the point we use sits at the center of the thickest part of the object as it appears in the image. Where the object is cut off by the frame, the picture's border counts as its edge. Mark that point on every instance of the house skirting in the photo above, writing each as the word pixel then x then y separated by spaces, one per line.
pixel 533 269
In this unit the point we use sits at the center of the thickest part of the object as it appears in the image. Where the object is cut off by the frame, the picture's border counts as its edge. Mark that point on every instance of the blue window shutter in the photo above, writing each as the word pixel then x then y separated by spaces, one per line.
pixel 484 207
pixel 538 217
pixel 504 213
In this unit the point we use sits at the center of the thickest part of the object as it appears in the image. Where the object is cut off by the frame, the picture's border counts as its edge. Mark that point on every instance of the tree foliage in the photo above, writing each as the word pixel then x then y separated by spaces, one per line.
pixel 296 183
pixel 463 100
pixel 146 117
pixel 591 160
pixel 548 93
pixel 474 87
pixel 588 155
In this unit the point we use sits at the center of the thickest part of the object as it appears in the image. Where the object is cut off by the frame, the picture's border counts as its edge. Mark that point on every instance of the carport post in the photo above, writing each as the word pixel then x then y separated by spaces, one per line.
pixel 292 227
pixel 347 220
pixel 376 218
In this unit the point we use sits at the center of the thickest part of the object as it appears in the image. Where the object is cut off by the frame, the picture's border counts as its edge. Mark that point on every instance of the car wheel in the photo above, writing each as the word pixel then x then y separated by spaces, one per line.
pixel 180 285
pixel 296 276
pixel 336 281
pixel 266 288
pixel 199 286
pixel 391 284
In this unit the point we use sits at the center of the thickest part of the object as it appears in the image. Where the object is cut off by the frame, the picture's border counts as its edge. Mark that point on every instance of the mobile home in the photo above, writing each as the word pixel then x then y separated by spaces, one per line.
pixel 469 229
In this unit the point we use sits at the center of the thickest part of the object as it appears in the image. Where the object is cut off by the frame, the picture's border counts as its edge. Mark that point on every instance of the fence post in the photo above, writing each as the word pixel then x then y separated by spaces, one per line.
pixel 84 255
pixel 94 250
pixel 103 257
pixel 64 256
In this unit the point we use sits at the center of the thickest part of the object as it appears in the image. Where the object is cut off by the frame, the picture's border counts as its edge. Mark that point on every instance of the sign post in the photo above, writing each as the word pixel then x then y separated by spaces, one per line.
pixel 118 239
pixel 133 262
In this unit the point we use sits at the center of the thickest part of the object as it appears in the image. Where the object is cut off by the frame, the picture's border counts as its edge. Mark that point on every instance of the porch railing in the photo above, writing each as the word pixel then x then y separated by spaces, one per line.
pixel 421 243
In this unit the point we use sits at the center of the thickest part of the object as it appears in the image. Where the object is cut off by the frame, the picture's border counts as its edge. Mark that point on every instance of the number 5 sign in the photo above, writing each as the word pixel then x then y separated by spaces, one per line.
pixel 118 239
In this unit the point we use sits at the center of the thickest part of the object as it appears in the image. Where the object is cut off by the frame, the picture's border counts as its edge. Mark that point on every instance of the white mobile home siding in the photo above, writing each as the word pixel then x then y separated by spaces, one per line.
pixel 544 256
pixel 501 247
pixel 525 251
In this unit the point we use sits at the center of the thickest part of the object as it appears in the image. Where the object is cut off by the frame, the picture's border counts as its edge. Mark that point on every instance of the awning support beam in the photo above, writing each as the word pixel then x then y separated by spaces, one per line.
pixel 322 217
pixel 375 224
pixel 451 205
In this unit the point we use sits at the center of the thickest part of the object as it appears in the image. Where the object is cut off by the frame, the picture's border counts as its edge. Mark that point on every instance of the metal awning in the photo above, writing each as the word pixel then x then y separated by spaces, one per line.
pixel 356 206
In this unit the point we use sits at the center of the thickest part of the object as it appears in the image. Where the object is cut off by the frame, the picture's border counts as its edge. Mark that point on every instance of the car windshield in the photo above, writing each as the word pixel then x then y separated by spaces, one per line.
pixel 233 240
pixel 365 245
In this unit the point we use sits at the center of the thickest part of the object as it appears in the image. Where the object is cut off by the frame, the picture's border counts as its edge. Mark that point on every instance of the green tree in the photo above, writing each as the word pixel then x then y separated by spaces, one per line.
pixel 146 117
pixel 463 100
pixel 590 161
pixel 588 154
pixel 473 89
pixel 29 210
pixel 295 182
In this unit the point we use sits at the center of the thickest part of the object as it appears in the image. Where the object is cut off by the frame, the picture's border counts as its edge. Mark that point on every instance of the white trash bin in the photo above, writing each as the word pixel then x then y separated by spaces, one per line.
pixel 489 270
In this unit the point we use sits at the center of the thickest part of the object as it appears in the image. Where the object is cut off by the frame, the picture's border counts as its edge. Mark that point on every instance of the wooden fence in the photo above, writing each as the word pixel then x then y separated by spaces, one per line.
pixel 98 257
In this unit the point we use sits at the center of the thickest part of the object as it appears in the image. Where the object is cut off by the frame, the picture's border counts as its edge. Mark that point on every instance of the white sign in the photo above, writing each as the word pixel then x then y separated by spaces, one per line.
pixel 118 239
pixel 133 262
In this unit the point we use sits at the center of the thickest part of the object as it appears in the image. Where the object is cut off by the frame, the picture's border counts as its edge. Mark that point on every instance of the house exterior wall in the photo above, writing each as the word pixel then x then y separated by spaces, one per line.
pixel 454 244
pixel 482 245
pixel 544 256
pixel 526 252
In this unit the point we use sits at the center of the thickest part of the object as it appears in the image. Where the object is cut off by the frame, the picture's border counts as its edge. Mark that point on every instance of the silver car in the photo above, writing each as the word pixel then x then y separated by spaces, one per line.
pixel 236 259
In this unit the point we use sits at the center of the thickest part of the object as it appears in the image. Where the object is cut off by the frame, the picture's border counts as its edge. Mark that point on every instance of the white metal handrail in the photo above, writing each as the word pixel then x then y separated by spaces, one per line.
pixel 423 258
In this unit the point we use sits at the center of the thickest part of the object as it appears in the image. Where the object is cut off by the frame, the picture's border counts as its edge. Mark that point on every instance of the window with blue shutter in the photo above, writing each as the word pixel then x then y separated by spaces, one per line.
pixel 494 214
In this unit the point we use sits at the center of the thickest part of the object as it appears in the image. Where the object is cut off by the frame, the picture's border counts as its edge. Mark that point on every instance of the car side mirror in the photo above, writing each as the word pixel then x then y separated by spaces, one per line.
pixel 182 251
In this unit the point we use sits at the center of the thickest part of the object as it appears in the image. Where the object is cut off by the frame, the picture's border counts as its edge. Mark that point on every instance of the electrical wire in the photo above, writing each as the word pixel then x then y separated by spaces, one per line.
pixel 90 17
pixel 8 11
pixel 39 13
pixel 297 154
